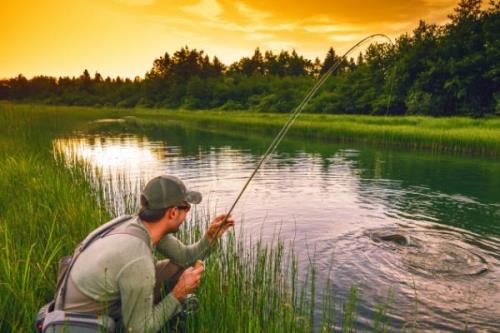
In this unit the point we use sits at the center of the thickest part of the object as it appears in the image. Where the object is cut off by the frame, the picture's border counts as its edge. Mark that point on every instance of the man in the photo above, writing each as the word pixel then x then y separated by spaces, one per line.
pixel 118 273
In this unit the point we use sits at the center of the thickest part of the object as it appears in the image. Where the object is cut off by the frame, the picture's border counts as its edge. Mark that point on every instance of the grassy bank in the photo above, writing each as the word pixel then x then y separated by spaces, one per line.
pixel 46 209
pixel 451 135
pixel 458 135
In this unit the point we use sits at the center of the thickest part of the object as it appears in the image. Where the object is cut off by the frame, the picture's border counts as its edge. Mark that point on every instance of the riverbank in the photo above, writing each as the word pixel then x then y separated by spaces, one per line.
pixel 457 135
pixel 450 135
pixel 47 208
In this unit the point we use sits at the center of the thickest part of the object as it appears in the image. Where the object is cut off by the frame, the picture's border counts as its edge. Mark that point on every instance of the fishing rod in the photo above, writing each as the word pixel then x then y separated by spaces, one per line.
pixel 291 119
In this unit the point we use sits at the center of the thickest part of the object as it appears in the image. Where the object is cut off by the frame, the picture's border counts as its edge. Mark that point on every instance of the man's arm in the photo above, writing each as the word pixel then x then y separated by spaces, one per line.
pixel 136 282
pixel 181 254
pixel 186 255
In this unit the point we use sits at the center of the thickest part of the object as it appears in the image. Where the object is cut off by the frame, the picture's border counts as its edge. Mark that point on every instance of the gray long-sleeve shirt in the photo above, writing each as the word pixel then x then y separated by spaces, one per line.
pixel 120 268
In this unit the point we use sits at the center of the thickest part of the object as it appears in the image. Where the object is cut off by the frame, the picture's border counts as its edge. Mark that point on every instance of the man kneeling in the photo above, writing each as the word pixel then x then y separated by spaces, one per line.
pixel 118 273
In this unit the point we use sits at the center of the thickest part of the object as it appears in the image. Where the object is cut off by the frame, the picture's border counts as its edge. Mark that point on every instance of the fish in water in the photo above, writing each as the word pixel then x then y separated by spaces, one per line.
pixel 424 254
pixel 397 238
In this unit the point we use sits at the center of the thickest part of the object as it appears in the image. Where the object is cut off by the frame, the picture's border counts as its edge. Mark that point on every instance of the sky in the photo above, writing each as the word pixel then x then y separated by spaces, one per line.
pixel 123 37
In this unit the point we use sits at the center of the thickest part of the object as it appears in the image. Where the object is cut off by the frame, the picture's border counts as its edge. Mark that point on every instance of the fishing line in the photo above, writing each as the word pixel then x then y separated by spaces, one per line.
pixel 291 119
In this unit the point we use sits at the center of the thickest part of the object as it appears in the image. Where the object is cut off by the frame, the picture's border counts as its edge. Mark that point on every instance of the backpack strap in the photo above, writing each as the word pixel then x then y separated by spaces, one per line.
pixel 130 230
pixel 100 232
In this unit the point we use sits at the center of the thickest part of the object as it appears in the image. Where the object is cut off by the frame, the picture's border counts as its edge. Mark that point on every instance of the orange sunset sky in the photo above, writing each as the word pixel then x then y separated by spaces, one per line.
pixel 123 37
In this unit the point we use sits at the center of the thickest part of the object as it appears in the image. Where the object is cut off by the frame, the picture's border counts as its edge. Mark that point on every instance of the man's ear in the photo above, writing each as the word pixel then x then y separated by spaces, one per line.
pixel 170 213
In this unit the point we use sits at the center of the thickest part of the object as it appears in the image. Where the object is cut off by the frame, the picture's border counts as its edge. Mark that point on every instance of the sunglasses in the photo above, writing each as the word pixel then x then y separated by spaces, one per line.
pixel 185 206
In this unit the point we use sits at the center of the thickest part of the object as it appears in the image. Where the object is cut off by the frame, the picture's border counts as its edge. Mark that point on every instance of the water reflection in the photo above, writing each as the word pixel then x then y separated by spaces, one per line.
pixel 113 155
pixel 387 221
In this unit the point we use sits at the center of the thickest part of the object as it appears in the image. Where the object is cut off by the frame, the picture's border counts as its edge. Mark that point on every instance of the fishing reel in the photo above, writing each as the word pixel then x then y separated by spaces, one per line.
pixel 190 305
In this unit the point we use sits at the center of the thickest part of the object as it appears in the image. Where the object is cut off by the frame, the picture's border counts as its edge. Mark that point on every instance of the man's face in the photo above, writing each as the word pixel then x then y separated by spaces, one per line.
pixel 181 212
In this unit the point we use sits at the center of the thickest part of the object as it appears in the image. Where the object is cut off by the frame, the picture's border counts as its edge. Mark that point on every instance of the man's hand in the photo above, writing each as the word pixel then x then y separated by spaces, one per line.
pixel 188 281
pixel 216 228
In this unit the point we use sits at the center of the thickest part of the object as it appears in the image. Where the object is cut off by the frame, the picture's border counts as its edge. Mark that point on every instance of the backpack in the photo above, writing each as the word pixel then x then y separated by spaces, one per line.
pixel 51 317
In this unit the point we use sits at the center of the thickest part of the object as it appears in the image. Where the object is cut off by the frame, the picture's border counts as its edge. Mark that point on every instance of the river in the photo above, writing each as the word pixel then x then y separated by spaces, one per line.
pixel 415 230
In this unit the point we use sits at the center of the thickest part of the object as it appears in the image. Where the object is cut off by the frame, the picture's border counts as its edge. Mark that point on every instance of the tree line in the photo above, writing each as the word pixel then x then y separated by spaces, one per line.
pixel 450 69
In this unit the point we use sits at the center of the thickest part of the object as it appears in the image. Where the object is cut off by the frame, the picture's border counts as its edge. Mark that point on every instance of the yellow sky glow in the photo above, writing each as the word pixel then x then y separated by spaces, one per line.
pixel 123 37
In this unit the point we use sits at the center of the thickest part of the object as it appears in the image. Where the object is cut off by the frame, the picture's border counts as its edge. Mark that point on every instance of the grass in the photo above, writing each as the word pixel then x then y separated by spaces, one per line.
pixel 44 210
pixel 47 208
pixel 458 135
pixel 451 135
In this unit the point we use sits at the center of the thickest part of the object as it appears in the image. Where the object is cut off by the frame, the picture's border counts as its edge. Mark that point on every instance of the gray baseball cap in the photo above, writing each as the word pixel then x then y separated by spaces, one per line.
pixel 168 191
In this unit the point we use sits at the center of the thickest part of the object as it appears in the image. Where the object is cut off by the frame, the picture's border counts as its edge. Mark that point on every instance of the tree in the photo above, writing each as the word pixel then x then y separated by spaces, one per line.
pixel 250 66
pixel 97 77
pixel 161 67
pixel 85 81
pixel 271 64
pixel 218 67
pixel 316 67
pixel 298 66
pixel 330 59
pixel 283 61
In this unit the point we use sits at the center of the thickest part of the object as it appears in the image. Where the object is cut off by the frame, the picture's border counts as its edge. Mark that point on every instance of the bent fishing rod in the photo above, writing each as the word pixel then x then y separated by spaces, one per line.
pixel 291 119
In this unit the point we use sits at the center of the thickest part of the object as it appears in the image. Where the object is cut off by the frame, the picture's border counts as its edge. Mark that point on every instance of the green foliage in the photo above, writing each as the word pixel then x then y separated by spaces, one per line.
pixel 453 69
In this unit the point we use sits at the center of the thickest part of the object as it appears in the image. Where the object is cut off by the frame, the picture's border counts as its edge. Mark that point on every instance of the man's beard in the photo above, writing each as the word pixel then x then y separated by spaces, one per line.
pixel 179 226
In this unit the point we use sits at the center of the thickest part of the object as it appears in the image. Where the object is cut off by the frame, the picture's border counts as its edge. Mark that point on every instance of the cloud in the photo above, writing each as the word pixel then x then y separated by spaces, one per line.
pixel 280 45
pixel 252 14
pixel 259 36
pixel 352 12
pixel 208 9
pixel 329 28
pixel 310 27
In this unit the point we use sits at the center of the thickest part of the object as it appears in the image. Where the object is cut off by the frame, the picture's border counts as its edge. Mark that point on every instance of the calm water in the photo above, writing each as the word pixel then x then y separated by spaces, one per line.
pixel 418 229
